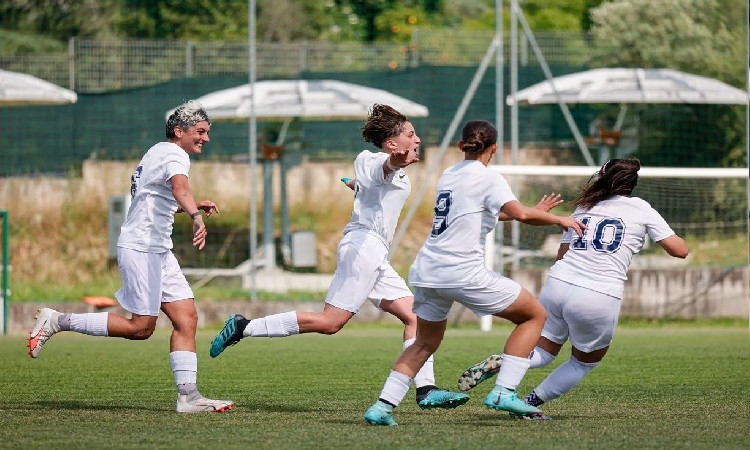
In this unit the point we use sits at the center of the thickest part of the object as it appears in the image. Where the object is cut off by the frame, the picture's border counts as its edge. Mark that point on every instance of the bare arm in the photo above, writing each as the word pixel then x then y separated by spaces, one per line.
pixel 561 251
pixel 675 246
pixel 547 202
pixel 533 216
pixel 184 196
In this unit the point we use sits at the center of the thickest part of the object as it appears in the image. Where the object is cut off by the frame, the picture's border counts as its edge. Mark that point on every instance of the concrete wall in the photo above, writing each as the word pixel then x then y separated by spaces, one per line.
pixel 681 293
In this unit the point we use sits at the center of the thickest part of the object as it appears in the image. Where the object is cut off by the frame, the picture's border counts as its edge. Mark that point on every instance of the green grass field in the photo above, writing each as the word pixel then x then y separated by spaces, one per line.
pixel 661 386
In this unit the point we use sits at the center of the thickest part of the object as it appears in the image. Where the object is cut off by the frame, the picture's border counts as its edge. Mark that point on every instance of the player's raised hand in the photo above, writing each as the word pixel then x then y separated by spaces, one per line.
pixel 549 201
pixel 401 158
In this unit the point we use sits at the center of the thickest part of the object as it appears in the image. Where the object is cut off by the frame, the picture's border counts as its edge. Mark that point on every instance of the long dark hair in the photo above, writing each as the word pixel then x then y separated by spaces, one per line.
pixel 616 177
pixel 383 122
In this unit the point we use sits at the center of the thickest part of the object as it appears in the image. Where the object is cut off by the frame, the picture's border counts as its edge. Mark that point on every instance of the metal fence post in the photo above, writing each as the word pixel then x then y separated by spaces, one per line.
pixel 6 262
pixel 72 64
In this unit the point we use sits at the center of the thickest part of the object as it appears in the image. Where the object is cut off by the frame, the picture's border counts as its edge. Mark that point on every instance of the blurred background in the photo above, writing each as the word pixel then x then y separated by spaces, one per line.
pixel 64 177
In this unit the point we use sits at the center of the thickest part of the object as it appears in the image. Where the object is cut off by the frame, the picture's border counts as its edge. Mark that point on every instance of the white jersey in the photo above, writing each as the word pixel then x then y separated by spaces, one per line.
pixel 148 225
pixel 616 230
pixel 467 206
pixel 378 199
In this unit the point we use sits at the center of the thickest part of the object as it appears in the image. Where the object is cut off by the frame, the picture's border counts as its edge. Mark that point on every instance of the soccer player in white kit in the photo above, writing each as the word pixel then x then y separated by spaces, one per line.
pixel 362 268
pixel 151 276
pixel 450 267
pixel 583 291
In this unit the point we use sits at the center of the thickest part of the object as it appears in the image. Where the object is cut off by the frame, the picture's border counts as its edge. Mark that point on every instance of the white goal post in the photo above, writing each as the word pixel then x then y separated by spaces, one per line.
pixel 661 172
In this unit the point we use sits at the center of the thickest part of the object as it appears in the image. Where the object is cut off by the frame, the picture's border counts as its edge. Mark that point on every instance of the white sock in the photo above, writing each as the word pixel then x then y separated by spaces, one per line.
pixel 93 324
pixel 426 375
pixel 512 370
pixel 275 325
pixel 563 379
pixel 395 388
pixel 184 367
pixel 540 358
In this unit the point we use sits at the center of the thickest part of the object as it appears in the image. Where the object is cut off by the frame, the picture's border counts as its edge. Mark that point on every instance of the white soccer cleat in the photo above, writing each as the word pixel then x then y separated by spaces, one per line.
pixel 46 325
pixel 196 403
pixel 483 370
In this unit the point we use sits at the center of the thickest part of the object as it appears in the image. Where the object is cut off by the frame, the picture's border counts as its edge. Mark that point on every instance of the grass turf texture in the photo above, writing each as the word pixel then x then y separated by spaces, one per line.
pixel 662 386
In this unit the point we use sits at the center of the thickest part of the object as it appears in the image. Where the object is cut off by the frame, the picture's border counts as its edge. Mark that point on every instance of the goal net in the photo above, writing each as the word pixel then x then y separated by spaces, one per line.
pixel 706 206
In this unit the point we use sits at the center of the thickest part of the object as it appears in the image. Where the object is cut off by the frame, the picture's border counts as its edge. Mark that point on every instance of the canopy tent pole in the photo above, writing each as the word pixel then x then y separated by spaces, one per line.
pixel 253 145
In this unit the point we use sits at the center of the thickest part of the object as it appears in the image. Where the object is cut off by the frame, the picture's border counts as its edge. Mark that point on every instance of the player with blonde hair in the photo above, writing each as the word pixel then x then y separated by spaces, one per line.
pixel 151 276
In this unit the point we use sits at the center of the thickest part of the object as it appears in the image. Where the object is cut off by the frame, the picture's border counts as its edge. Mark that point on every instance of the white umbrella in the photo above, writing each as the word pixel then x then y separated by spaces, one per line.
pixel 23 89
pixel 631 86
pixel 312 99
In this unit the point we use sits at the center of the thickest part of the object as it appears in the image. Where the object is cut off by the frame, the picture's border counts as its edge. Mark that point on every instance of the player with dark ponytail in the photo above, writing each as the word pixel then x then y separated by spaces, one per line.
pixel 583 291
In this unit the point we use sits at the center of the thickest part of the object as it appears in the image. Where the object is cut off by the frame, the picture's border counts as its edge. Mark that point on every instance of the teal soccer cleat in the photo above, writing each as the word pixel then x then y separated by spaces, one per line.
pixel 380 414
pixel 229 335
pixel 440 398
pixel 504 399
pixel 479 372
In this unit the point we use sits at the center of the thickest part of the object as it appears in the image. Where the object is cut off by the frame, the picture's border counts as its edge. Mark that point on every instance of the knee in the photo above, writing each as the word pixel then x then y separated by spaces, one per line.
pixel 186 323
pixel 539 314
pixel 141 333
pixel 330 328
pixel 426 346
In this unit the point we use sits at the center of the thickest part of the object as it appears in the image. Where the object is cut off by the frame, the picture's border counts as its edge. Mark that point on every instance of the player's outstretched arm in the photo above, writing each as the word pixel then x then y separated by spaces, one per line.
pixel 548 202
pixel 533 216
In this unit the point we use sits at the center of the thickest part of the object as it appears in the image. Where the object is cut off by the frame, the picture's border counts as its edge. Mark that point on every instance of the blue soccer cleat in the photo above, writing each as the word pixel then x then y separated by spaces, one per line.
pixel 504 399
pixel 380 414
pixel 440 398
pixel 229 335
pixel 479 372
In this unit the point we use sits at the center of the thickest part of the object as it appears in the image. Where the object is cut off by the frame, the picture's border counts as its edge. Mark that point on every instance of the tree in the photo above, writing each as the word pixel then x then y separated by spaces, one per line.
pixel 705 37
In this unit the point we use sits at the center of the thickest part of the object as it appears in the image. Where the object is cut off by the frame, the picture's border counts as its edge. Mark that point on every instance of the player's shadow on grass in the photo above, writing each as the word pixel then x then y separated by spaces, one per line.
pixel 259 405
pixel 75 405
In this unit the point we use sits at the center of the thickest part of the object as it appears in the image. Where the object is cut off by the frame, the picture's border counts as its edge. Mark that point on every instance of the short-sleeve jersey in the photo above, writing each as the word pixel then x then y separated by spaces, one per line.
pixel 148 225
pixel 467 205
pixel 616 231
pixel 378 199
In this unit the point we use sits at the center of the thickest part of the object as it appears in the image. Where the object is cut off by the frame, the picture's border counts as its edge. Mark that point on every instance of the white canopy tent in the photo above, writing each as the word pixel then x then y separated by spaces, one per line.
pixel 306 99
pixel 618 85
pixel 626 86
pixel 17 89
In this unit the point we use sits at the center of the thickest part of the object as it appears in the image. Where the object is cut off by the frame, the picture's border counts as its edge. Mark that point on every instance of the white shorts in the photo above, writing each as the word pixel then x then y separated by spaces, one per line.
pixel 491 295
pixel 363 272
pixel 148 280
pixel 587 317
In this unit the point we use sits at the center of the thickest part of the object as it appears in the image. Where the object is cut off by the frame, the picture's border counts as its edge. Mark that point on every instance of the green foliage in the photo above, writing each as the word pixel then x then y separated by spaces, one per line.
pixel 59 19
pixel 680 34
pixel 399 24
pixel 662 385
pixel 17 43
